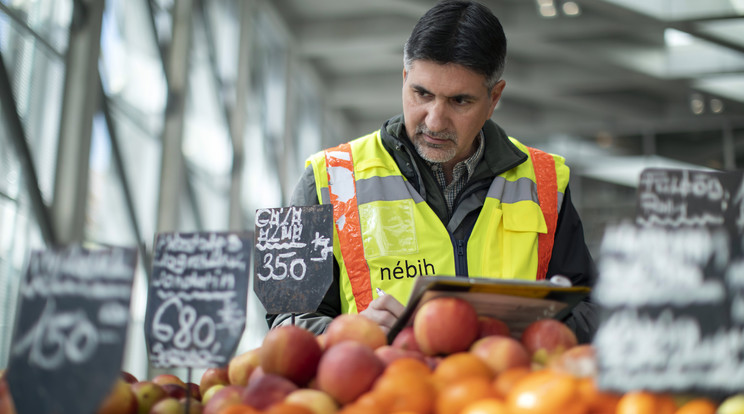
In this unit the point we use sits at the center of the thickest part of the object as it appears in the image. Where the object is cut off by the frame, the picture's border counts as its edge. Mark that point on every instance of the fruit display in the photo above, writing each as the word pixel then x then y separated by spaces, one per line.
pixel 428 369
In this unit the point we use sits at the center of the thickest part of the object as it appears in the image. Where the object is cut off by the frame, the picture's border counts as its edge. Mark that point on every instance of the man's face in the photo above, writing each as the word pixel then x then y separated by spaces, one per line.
pixel 445 106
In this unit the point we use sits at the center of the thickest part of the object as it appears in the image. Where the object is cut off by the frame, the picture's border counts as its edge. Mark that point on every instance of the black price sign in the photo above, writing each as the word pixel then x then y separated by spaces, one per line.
pixel 683 198
pixel 197 298
pixel 672 288
pixel 70 330
pixel 294 257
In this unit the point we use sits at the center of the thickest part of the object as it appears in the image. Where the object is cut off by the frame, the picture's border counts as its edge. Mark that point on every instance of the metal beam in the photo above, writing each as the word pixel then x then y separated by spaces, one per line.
pixel 172 166
pixel 79 105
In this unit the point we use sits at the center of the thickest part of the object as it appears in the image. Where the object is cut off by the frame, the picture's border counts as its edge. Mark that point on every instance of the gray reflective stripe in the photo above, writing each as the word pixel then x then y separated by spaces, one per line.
pixel 325 195
pixel 514 191
pixel 390 188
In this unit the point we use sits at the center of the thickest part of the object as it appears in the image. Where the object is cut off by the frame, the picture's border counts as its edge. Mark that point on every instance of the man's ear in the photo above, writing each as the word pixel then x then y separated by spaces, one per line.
pixel 495 95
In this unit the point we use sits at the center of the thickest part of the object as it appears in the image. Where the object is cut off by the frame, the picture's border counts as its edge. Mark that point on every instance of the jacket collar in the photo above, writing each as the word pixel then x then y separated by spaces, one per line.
pixel 500 153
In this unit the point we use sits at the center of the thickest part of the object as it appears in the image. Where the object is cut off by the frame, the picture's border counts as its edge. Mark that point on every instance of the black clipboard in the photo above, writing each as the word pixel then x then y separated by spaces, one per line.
pixel 516 302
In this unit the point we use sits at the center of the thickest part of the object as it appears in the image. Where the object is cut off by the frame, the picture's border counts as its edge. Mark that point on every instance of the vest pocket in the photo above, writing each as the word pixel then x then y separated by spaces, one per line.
pixel 388 228
pixel 522 223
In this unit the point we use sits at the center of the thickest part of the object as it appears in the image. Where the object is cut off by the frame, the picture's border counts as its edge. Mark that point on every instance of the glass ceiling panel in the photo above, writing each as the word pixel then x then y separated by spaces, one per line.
pixel 731 30
pixel 672 10
pixel 730 86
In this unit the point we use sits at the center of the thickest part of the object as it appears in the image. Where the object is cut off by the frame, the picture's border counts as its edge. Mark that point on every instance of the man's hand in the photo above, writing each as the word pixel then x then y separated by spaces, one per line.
pixel 385 310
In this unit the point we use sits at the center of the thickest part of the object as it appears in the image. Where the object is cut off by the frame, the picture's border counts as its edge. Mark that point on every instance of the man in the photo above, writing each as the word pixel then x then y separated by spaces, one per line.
pixel 441 189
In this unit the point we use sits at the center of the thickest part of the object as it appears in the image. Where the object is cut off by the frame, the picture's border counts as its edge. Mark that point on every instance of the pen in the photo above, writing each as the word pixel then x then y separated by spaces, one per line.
pixel 380 292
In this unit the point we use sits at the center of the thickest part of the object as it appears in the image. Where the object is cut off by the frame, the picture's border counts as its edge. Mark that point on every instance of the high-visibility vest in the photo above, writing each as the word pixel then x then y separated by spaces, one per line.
pixel 386 235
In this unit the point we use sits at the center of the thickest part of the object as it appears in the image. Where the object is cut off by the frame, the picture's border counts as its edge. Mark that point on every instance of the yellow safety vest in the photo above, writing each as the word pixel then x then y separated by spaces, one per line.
pixel 386 235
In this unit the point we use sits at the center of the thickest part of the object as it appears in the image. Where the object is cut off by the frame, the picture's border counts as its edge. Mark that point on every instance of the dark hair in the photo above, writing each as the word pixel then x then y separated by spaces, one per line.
pixel 462 32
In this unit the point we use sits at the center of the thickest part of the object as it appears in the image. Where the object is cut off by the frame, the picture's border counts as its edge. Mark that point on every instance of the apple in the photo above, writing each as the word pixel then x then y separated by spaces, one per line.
pixel 210 392
pixel 176 406
pixel 128 377
pixel 213 376
pixel 292 352
pixel 445 325
pixel 501 353
pixel 6 400
pixel 194 391
pixel 161 379
pixel 406 339
pixel 120 400
pixel 347 370
pixel 241 366
pixel 545 339
pixel 356 327
pixel 147 393
pixel 175 391
pixel 267 390
pixel 224 397
pixel 389 353
pixel 488 325
pixel 317 401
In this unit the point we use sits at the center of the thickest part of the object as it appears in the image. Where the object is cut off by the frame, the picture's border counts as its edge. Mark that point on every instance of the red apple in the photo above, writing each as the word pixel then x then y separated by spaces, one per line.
pixel 6 400
pixel 547 338
pixel 267 390
pixel 445 325
pixel 128 377
pixel 317 401
pixel 147 393
pixel 241 366
pixel 120 400
pixel 213 376
pixel 501 353
pixel 174 406
pixel 389 353
pixel 292 352
pixel 194 391
pixel 175 391
pixel 210 392
pixel 488 325
pixel 406 339
pixel 347 370
pixel 226 396
pixel 161 379
pixel 355 327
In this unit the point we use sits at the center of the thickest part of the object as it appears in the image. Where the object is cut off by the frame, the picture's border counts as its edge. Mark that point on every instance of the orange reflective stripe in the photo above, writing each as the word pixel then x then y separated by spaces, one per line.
pixel 342 189
pixel 547 194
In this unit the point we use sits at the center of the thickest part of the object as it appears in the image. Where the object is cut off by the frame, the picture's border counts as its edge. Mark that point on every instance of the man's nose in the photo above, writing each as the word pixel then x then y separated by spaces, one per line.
pixel 437 116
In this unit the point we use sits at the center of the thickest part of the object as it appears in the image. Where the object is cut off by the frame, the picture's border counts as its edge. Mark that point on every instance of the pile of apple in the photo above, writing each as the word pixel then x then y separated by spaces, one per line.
pixel 339 372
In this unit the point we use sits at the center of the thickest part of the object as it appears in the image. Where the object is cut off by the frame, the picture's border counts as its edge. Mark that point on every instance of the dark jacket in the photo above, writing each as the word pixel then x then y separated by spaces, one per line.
pixel 570 255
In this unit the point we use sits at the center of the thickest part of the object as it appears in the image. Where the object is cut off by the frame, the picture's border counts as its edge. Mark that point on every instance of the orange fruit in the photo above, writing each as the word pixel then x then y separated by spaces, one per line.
pixel 287 408
pixel 698 406
pixel 239 409
pixel 485 406
pixel 454 397
pixel 505 381
pixel 598 401
pixel 546 392
pixel 409 366
pixel 457 366
pixel 645 402
pixel 404 391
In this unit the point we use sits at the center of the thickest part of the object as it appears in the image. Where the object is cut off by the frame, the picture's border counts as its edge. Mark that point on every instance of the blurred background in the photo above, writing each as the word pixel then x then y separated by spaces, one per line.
pixel 120 119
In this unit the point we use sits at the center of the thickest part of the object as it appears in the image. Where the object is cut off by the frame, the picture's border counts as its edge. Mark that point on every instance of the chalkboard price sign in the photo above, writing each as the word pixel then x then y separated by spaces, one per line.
pixel 671 288
pixel 294 257
pixel 70 330
pixel 197 298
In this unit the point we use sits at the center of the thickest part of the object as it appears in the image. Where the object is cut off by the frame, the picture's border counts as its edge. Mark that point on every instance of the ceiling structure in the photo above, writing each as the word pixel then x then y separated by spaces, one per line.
pixel 660 81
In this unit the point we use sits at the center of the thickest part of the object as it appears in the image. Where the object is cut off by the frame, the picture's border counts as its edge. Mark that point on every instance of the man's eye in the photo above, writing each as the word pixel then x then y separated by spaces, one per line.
pixel 461 101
